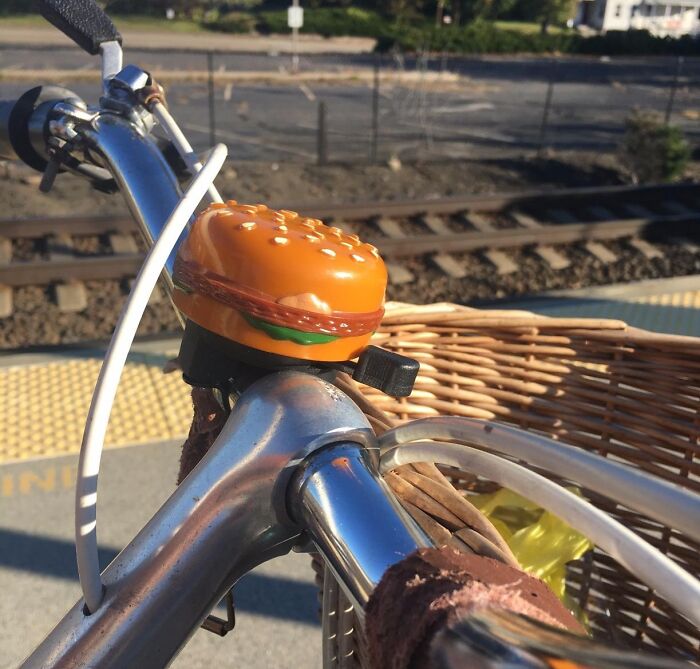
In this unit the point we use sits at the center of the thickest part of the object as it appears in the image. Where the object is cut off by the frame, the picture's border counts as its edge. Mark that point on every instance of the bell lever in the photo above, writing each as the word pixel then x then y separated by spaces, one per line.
pixel 89 27
pixel 81 20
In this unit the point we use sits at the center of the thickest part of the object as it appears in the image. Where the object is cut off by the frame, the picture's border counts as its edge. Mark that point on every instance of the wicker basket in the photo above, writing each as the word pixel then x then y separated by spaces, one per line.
pixel 600 385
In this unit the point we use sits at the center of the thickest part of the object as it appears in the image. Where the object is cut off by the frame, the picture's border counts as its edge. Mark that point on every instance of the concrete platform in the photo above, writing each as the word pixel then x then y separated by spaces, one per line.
pixel 660 305
pixel 276 621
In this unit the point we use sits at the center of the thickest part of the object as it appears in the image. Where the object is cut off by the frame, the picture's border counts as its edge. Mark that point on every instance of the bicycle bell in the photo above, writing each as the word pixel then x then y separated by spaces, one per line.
pixel 264 289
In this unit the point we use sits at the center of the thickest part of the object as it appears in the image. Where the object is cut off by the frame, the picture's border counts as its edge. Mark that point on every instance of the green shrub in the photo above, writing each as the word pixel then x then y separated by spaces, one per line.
pixel 327 21
pixel 476 37
pixel 233 22
pixel 652 151
pixel 485 37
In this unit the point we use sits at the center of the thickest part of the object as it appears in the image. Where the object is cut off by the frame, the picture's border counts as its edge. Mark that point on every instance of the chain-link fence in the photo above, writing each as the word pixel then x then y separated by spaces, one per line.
pixel 364 108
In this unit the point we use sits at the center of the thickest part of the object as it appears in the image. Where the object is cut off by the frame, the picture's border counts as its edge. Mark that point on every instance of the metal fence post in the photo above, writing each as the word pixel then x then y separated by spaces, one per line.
pixel 210 86
pixel 674 87
pixel 547 107
pixel 321 139
pixel 374 149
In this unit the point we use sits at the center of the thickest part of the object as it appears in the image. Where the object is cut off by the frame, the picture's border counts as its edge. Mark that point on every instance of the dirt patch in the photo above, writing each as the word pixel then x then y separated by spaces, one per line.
pixel 287 184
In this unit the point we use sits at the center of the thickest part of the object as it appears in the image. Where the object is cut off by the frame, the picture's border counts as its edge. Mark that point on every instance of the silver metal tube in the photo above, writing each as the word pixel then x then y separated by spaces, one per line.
pixel 227 516
pixel 144 177
pixel 353 517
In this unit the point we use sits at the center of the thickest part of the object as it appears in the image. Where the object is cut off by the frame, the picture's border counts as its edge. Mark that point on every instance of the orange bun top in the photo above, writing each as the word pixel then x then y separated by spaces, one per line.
pixel 278 282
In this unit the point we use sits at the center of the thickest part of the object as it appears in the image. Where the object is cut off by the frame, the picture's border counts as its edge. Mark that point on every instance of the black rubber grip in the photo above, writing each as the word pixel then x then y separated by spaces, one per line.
pixel 81 20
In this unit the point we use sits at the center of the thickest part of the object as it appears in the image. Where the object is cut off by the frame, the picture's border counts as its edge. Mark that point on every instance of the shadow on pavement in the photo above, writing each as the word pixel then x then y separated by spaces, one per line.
pixel 259 594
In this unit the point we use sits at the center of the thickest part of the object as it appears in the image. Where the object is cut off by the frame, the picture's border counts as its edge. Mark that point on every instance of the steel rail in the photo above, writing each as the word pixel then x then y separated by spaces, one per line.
pixel 91 268
pixel 23 273
pixel 492 202
pixel 33 227
pixel 547 234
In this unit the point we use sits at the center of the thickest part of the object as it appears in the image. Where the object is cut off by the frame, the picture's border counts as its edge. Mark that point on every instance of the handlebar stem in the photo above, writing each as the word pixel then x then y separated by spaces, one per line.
pixel 352 517
pixel 228 515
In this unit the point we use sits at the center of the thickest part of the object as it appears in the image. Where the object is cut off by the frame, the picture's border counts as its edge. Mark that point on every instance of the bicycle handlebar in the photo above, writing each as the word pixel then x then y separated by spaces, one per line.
pixel 107 142
pixel 24 123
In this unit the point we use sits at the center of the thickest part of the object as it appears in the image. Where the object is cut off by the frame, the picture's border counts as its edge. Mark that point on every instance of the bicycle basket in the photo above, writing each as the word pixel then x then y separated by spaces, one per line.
pixel 600 385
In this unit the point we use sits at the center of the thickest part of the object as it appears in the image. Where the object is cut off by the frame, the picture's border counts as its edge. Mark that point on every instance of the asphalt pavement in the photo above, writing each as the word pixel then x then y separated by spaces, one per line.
pixel 276 619
pixel 496 107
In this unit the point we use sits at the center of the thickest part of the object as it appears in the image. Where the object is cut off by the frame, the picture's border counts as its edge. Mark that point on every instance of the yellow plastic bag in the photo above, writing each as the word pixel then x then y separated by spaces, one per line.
pixel 542 542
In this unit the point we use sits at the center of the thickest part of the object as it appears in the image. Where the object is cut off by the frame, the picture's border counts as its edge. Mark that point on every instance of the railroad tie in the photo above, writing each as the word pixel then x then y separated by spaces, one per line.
pixel 345 226
pixel 6 304
pixel 525 220
pixel 5 291
pixel 436 224
pixel 479 222
pixel 398 274
pixel 71 296
pixel 552 257
pixel 446 262
pixel 5 251
pixel 126 244
pixel 450 265
pixel 649 251
pixel 600 252
pixel 548 254
pixel 502 263
pixel 390 228
pixel 60 246
pixel 123 244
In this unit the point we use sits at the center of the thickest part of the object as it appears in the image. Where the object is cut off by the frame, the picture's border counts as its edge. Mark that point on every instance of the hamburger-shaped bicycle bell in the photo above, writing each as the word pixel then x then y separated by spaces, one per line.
pixel 277 282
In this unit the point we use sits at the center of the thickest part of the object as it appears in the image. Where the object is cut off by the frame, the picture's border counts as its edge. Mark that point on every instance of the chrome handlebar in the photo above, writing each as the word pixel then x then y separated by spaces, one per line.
pixel 144 177
pixel 112 142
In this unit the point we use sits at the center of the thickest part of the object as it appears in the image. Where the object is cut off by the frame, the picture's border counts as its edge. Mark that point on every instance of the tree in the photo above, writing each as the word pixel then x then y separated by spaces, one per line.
pixel 546 12
pixel 493 9
pixel 403 11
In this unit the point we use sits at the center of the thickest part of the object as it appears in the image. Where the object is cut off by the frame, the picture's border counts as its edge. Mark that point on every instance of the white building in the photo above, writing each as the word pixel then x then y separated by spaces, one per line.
pixel 659 17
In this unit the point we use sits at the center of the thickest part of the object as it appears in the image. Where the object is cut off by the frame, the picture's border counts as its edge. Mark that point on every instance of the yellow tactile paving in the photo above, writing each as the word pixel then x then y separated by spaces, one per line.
pixel 676 312
pixel 43 406
pixel 688 300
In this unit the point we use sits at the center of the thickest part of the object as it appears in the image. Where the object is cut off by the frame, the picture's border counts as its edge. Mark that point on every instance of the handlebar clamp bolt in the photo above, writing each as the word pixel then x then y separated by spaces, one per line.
pixel 131 78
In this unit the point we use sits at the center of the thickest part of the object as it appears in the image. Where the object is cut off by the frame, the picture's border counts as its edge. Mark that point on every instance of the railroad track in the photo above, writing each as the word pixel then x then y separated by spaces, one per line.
pixel 444 233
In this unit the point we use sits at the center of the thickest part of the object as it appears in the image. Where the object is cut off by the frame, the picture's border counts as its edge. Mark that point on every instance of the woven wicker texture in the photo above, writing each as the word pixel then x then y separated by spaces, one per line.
pixel 600 385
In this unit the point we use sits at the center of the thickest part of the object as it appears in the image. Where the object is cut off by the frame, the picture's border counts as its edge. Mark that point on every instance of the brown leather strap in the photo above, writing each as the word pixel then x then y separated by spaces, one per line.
pixel 433 588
